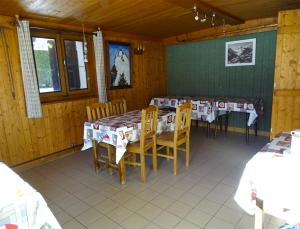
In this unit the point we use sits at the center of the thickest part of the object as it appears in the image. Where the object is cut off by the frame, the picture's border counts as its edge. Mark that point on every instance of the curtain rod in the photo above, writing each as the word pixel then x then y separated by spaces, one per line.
pixel 62 30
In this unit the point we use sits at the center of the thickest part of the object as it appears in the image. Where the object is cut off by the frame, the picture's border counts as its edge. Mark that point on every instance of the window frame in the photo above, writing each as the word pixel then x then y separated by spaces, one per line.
pixel 90 67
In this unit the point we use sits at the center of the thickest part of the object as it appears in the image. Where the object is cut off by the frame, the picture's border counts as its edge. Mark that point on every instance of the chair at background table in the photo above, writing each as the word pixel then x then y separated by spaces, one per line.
pixel 94 112
pixel 180 136
pixel 117 106
pixel 146 142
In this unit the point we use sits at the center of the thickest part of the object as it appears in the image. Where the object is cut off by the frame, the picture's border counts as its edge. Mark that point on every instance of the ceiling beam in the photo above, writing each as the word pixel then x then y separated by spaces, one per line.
pixel 208 8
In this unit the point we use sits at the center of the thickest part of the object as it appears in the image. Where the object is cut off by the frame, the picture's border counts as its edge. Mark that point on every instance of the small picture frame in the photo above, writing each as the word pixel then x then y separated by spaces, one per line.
pixel 119 65
pixel 240 53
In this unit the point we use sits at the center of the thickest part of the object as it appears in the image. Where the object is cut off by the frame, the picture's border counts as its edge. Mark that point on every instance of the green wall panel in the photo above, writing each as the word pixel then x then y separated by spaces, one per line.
pixel 198 68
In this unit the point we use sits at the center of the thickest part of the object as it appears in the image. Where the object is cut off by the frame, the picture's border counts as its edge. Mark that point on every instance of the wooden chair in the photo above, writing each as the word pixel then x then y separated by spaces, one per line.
pixel 117 106
pixel 146 142
pixel 180 136
pixel 94 112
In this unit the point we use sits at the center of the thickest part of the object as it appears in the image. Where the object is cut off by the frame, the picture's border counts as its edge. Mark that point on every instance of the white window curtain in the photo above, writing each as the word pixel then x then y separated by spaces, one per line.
pixel 32 97
pixel 99 56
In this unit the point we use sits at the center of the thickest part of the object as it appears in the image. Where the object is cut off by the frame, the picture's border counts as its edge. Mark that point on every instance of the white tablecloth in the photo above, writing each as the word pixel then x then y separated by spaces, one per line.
pixel 22 205
pixel 208 108
pixel 119 130
pixel 274 178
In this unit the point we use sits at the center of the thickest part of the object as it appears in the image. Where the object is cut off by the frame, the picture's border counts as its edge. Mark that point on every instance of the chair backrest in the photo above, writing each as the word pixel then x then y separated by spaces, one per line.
pixel 97 111
pixel 117 106
pixel 183 120
pixel 148 124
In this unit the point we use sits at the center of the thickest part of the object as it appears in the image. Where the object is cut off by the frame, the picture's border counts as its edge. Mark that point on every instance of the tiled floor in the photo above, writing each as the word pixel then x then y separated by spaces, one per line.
pixel 200 196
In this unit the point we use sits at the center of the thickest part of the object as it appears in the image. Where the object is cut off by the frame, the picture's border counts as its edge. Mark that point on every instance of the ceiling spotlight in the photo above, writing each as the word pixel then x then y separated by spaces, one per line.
pixel 213 19
pixel 203 18
pixel 195 8
pixel 196 16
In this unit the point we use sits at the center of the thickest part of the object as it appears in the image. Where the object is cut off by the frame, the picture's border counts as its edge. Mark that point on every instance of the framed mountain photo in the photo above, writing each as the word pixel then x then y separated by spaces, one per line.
pixel 240 53
pixel 119 64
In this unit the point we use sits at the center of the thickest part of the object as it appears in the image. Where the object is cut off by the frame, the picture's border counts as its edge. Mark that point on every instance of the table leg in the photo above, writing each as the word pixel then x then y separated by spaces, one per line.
pixel 226 121
pixel 247 128
pixel 95 157
pixel 208 129
pixel 220 118
pixel 122 171
pixel 255 126
pixel 258 223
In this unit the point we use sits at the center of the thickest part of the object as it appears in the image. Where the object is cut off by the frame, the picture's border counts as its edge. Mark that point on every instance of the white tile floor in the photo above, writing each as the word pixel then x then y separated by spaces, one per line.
pixel 200 196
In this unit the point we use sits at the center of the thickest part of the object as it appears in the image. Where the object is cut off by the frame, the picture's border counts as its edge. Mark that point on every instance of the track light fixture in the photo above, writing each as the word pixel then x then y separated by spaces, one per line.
pixel 203 16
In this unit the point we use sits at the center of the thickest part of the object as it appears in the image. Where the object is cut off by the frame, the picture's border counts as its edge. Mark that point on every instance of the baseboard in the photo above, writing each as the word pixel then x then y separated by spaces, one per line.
pixel 236 129
pixel 45 159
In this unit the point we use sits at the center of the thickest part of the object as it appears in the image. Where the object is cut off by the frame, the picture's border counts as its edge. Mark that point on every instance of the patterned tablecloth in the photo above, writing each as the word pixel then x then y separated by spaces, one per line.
pixel 272 175
pixel 22 205
pixel 119 130
pixel 208 108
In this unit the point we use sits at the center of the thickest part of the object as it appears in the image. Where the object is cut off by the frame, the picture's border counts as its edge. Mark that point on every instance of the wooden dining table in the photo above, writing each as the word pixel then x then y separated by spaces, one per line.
pixel 209 108
pixel 119 130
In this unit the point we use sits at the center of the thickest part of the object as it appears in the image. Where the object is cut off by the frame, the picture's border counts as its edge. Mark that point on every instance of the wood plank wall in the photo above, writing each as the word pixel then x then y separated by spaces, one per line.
pixel 23 139
pixel 148 71
pixel 286 98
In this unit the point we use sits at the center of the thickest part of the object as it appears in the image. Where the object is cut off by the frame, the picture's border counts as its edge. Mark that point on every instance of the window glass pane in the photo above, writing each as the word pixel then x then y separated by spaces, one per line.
pixel 75 65
pixel 46 64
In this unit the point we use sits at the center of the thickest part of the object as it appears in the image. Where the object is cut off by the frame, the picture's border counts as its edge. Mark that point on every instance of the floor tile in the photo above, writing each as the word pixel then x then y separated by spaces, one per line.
pixel 208 206
pixel 89 216
pixel 106 206
pixel 77 208
pixel 229 215
pixel 217 224
pixel 103 222
pixel 179 209
pixel 121 197
pixel 73 224
pixel 162 201
pixel 94 199
pixel 198 217
pixel 166 220
pixel 147 195
pixel 134 221
pixel 134 203
pixel 149 211
pixel 119 214
pixel 186 225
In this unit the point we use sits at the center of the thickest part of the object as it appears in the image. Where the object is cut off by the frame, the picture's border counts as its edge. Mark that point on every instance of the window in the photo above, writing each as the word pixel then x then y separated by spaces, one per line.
pixel 61 70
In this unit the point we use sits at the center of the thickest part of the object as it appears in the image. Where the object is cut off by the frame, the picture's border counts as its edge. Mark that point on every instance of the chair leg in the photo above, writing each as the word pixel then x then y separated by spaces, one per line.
pixel 168 152
pixel 154 158
pixel 133 158
pixel 109 154
pixel 96 163
pixel 143 167
pixel 175 160
pixel 187 152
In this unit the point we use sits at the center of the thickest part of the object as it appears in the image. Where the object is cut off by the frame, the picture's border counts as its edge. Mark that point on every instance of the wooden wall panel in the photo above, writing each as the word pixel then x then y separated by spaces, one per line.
pixel 286 98
pixel 148 71
pixel 23 139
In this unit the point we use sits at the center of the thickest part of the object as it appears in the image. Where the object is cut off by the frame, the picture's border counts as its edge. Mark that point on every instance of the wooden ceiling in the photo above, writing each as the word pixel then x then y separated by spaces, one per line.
pixel 154 18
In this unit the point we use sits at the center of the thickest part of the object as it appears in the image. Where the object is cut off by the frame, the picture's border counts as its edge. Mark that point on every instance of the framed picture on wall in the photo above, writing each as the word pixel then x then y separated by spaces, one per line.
pixel 240 53
pixel 118 64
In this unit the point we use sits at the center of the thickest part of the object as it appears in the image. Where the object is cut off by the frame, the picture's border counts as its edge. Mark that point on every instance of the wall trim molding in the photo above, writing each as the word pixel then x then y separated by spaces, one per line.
pixel 45 159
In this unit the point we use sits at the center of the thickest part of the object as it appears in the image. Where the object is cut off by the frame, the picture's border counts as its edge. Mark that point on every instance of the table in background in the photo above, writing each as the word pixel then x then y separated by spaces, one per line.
pixel 119 130
pixel 270 183
pixel 22 205
pixel 210 108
